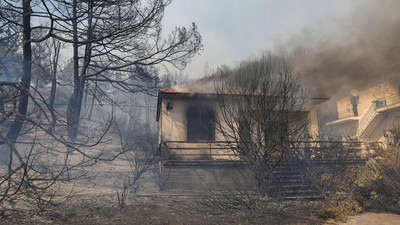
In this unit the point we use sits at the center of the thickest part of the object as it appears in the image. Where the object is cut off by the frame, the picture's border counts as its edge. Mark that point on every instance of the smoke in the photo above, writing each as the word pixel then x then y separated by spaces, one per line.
pixel 358 51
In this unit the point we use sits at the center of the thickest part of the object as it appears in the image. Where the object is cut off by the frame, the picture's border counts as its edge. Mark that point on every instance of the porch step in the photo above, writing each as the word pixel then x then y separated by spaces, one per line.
pixel 289 182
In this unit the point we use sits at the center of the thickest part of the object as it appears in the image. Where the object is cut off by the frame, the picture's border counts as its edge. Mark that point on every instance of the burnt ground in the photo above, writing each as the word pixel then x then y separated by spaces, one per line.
pixel 96 202
pixel 156 210
pixel 177 210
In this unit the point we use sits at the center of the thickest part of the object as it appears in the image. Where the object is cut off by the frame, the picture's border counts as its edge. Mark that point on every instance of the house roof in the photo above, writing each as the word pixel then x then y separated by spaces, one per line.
pixel 205 85
pixel 205 88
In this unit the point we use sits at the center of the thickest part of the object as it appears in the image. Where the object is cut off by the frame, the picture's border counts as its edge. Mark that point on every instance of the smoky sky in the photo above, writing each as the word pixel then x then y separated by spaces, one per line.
pixel 340 45
pixel 363 48
pixel 234 30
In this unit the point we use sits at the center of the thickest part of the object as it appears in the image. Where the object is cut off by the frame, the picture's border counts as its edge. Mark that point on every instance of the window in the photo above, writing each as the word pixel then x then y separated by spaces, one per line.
pixel 200 124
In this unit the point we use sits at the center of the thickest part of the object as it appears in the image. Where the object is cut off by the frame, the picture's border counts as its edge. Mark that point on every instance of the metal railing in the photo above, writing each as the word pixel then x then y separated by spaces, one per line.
pixel 334 150
pixel 226 151
pixel 201 150
pixel 386 101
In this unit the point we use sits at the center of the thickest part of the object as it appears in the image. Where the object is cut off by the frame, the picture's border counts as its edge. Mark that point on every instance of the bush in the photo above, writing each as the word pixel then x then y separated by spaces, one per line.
pixel 380 183
pixel 383 189
pixel 341 194
pixel 338 209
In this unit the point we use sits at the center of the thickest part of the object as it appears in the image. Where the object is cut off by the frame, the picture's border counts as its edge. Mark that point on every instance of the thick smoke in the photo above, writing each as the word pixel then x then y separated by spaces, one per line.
pixel 362 49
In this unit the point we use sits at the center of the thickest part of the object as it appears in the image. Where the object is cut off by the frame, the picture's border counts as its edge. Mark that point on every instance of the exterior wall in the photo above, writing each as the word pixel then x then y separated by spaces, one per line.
pixel 197 166
pixel 345 108
pixel 345 130
pixel 313 122
pixel 173 129
pixel 173 122
pixel 383 122
pixel 378 108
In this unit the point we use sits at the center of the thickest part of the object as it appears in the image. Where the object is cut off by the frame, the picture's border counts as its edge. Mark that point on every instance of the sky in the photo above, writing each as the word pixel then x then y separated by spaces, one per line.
pixel 234 30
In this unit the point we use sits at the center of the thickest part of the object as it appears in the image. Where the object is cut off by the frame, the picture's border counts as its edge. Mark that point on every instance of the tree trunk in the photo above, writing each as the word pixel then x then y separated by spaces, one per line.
pixel 74 104
pixel 52 96
pixel 147 111
pixel 74 109
pixel 56 48
pixel 92 103
pixel 23 98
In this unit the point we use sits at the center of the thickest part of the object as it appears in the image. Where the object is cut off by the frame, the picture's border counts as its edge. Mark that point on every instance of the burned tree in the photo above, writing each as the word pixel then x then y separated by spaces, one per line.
pixel 125 44
pixel 263 114
pixel 115 50
pixel 141 153
pixel 23 96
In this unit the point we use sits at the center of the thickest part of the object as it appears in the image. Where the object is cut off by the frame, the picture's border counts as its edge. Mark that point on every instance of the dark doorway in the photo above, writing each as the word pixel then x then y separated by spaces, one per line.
pixel 200 124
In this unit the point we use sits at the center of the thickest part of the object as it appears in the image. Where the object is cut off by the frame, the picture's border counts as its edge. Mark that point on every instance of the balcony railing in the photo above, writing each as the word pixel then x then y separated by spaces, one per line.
pixel 386 101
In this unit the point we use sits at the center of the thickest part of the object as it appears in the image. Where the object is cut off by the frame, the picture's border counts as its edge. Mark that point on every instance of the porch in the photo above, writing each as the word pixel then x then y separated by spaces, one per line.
pixel 199 166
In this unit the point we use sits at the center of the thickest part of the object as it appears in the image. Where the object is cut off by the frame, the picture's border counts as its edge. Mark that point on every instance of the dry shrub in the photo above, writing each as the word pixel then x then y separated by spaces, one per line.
pixel 341 194
pixel 339 209
pixel 382 184
pixel 338 181
pixel 376 186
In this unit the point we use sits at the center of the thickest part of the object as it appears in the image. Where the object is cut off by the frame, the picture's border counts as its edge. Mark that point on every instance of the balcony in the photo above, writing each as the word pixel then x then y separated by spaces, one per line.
pixel 380 105
pixel 346 113
pixel 345 116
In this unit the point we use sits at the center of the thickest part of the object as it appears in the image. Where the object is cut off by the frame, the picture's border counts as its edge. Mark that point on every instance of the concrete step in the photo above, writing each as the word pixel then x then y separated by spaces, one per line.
pixel 307 197
pixel 290 182
pixel 298 193
pixel 287 173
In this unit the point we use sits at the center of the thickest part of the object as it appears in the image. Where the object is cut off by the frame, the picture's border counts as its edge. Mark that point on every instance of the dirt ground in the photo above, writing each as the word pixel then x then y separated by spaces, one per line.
pixel 370 219
pixel 176 210
pixel 96 203
pixel 154 210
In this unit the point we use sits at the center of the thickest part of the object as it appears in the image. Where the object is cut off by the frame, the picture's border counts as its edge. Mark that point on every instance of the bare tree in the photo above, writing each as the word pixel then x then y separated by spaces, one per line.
pixel 141 152
pixel 263 114
pixel 103 42
pixel 108 48
pixel 54 48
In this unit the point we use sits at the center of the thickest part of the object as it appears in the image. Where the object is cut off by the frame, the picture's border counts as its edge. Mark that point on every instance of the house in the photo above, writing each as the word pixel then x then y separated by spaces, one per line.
pixel 194 152
pixel 364 114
